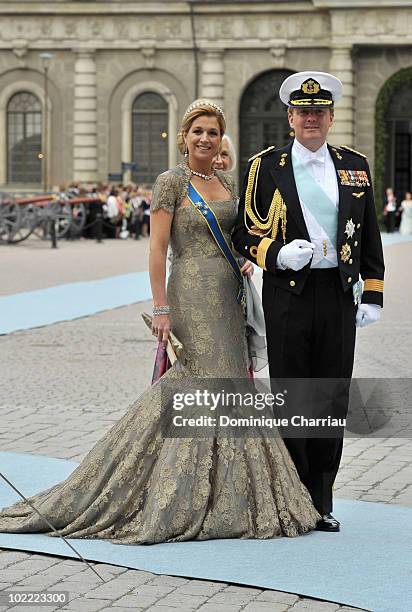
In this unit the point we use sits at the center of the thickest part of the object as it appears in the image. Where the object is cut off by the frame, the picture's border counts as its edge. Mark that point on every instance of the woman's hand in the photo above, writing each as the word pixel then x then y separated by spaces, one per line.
pixel 161 327
pixel 247 269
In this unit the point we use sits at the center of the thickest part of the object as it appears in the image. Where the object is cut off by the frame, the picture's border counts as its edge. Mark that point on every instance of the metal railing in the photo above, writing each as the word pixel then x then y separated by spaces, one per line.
pixel 45 216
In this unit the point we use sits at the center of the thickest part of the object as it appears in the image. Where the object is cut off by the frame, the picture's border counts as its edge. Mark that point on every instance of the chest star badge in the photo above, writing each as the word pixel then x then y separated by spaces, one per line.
pixel 350 228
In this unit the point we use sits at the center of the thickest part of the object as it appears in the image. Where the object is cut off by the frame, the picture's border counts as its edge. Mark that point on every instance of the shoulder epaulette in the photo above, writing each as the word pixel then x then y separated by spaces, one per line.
pixel 262 153
pixel 346 148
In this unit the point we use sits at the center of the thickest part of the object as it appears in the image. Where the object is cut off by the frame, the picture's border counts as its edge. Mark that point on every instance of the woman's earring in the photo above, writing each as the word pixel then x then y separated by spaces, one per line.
pixel 186 151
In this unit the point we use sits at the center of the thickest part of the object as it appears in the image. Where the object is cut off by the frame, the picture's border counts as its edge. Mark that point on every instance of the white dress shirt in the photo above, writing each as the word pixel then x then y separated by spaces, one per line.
pixel 320 165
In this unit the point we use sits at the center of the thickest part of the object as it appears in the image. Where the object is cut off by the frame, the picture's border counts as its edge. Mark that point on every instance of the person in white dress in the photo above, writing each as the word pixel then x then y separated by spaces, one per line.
pixel 405 228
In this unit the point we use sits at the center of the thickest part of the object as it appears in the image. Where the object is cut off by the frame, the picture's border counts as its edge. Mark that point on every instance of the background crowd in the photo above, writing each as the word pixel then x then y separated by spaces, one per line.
pixel 398 215
pixel 125 208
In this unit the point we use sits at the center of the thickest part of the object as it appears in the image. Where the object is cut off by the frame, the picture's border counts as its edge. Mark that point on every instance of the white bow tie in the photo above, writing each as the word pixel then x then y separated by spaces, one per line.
pixel 316 159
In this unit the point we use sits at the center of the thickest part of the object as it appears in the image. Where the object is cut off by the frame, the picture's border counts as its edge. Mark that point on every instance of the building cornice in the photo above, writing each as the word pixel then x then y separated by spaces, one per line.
pixel 26 7
pixel 167 25
pixel 358 4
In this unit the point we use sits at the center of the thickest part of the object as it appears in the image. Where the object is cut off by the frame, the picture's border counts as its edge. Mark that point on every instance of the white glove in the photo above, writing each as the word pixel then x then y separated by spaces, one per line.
pixel 367 313
pixel 295 255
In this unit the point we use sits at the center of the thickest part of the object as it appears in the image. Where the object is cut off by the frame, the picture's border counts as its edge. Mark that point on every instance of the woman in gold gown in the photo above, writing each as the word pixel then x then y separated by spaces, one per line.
pixel 137 485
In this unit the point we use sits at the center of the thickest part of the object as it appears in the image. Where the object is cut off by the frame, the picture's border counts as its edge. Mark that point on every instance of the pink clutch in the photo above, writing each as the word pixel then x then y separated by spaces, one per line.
pixel 165 355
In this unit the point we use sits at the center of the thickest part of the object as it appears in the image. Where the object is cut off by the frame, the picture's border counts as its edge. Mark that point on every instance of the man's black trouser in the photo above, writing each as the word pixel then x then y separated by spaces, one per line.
pixel 312 335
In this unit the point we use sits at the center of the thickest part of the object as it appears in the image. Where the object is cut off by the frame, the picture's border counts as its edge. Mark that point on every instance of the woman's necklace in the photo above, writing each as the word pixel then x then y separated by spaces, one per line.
pixel 205 177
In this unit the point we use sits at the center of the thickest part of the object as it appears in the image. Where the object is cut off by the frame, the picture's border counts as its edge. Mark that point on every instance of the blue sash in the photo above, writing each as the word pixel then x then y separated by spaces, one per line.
pixel 316 201
pixel 203 209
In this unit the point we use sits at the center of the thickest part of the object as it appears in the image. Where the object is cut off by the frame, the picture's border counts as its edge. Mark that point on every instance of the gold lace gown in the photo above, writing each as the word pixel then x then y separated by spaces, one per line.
pixel 137 486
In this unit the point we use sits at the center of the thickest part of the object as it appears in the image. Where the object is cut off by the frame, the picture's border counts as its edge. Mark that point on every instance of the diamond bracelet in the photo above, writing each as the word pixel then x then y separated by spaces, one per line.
pixel 161 310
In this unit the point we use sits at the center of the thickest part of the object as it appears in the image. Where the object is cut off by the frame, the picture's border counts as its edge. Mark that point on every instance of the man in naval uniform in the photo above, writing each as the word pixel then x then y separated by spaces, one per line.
pixel 307 217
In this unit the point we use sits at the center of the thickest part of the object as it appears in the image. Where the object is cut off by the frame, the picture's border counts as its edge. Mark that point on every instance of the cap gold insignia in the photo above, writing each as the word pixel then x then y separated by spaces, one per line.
pixel 345 253
pixel 310 87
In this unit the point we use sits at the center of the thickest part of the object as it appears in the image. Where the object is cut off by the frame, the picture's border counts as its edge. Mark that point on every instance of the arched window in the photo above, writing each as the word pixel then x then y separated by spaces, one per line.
pixel 24 138
pixel 263 118
pixel 149 136
pixel 399 140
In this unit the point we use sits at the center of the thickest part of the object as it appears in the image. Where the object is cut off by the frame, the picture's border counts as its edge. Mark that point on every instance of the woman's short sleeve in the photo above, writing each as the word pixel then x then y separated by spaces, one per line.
pixel 229 182
pixel 164 193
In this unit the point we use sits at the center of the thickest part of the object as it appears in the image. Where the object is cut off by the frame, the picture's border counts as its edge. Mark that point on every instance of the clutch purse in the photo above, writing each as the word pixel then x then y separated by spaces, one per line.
pixel 174 347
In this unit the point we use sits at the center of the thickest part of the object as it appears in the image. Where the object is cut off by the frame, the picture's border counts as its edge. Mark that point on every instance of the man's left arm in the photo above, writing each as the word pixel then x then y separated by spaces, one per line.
pixel 372 267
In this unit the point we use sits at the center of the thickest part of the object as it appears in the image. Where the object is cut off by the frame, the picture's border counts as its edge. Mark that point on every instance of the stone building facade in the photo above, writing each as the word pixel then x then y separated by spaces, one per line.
pixel 123 72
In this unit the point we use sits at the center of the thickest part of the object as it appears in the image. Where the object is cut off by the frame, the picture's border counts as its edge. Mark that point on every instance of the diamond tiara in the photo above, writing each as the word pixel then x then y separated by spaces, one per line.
pixel 203 103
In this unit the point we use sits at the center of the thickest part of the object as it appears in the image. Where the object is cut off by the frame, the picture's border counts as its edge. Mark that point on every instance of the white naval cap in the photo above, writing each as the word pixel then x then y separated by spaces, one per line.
pixel 311 89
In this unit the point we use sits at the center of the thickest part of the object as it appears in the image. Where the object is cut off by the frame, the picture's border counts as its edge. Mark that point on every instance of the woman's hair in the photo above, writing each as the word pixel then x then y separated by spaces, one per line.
pixel 198 108
pixel 232 152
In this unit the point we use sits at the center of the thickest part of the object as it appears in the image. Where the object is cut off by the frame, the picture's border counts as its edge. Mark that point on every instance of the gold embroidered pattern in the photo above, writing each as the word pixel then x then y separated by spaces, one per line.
pixel 261 153
pixel 346 148
pixel 310 87
pixel 373 284
pixel 283 160
pixel 307 101
pixel 338 155
pixel 263 247
pixel 345 253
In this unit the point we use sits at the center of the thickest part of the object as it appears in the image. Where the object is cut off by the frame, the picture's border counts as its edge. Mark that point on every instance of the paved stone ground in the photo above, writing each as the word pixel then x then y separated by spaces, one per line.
pixel 78 377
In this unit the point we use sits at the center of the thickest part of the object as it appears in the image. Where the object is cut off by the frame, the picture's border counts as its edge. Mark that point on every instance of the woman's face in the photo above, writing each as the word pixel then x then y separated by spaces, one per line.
pixel 408 195
pixel 203 139
pixel 222 159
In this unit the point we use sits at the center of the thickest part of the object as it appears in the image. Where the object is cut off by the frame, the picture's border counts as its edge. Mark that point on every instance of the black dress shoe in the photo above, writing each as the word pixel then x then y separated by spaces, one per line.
pixel 327 523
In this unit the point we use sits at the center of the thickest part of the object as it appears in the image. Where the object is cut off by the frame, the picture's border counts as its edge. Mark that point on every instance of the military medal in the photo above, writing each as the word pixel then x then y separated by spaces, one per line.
pixel 357 292
pixel 345 252
pixel 350 228
pixel 354 178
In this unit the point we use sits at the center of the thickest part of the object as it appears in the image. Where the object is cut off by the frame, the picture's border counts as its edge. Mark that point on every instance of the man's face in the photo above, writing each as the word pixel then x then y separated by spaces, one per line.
pixel 311 125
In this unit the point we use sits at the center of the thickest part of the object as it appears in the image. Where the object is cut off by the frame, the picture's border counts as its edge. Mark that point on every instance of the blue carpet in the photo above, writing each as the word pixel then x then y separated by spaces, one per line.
pixel 367 565
pixel 66 302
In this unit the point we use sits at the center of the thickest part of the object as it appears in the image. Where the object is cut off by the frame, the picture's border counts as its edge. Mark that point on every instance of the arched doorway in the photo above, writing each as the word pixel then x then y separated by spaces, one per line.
pixel 24 138
pixel 399 131
pixel 149 136
pixel 263 119
pixel 393 134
